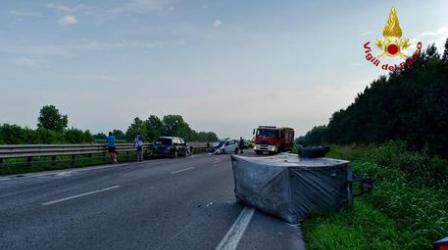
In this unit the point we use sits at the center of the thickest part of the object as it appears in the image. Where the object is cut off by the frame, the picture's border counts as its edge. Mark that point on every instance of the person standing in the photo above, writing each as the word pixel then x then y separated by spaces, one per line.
pixel 139 147
pixel 241 145
pixel 111 147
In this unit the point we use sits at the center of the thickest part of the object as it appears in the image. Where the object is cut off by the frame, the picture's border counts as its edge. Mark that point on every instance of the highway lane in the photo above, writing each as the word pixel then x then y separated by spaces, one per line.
pixel 158 204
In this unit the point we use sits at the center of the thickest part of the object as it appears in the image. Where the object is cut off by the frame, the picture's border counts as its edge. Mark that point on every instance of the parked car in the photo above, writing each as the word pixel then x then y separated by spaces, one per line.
pixel 169 146
pixel 227 147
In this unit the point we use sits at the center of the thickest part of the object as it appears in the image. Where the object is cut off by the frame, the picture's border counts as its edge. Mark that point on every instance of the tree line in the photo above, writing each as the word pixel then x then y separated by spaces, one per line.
pixel 169 125
pixel 409 104
pixel 52 128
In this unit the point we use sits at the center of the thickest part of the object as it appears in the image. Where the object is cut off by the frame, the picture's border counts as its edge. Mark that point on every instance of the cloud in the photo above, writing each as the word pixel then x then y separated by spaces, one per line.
pixel 25 61
pixel 94 45
pixel 34 50
pixel 67 50
pixel 438 37
pixel 217 23
pixel 102 78
pixel 24 13
pixel 142 6
pixel 65 8
pixel 62 8
pixel 67 20
pixel 440 31
pixel 366 33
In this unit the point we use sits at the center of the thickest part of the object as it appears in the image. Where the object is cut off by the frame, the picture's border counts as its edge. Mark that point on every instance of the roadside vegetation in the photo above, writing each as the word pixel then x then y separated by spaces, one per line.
pixel 403 117
pixel 52 128
pixel 406 210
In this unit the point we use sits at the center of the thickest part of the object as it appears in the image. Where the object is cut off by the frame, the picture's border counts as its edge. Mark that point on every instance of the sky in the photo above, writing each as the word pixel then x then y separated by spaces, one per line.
pixel 225 66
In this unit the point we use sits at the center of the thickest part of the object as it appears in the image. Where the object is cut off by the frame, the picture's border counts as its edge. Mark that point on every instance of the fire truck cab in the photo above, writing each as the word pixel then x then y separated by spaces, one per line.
pixel 271 139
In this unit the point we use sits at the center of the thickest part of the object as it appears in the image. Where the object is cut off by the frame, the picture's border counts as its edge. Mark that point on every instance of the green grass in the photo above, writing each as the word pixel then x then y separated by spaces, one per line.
pixel 20 166
pixel 406 210
pixel 362 228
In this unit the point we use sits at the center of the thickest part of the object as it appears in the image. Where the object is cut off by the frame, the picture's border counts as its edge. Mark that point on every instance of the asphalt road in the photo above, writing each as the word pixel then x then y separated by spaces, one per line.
pixel 159 204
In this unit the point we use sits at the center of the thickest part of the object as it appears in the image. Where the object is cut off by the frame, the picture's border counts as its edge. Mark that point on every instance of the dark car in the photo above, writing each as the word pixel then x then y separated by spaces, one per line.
pixel 170 146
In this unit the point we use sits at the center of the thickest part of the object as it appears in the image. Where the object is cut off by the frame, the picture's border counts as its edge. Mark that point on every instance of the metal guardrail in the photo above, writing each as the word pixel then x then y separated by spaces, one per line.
pixel 28 151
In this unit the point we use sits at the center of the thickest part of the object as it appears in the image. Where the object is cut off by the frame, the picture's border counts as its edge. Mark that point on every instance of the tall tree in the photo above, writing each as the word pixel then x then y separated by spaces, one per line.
pixel 409 105
pixel 445 52
pixel 136 127
pixel 174 125
pixel 154 128
pixel 51 119
pixel 119 135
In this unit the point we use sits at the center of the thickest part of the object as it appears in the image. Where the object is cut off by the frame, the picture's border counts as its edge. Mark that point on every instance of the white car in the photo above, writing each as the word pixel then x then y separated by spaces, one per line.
pixel 228 147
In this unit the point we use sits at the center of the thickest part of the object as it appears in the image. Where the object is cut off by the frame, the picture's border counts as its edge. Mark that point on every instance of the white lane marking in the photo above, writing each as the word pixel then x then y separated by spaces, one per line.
pixel 235 233
pixel 68 173
pixel 79 195
pixel 182 170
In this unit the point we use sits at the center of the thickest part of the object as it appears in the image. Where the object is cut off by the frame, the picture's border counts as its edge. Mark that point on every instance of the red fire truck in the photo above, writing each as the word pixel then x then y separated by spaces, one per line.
pixel 272 140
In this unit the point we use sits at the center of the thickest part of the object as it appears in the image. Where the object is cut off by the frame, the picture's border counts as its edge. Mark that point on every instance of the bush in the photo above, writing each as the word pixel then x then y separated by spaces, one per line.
pixel 13 134
pixel 74 135
pixel 418 168
pixel 419 210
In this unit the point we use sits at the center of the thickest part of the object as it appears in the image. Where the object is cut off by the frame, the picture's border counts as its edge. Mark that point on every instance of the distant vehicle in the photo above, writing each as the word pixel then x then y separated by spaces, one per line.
pixel 170 146
pixel 227 147
pixel 271 139
pixel 214 145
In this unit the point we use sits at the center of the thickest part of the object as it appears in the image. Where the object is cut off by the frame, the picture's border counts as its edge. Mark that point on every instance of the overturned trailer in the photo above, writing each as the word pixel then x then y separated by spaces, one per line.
pixel 291 188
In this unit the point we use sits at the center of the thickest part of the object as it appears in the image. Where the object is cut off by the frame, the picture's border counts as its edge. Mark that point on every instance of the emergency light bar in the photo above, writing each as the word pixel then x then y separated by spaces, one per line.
pixel 267 127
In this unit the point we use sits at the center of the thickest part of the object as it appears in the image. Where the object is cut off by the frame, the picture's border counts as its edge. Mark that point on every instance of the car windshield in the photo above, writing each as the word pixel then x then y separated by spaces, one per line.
pixel 164 141
pixel 267 132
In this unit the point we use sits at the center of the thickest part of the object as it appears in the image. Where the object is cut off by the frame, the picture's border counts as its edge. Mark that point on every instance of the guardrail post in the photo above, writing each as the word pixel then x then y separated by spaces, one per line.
pixel 73 160
pixel 53 160
pixel 1 162
pixel 29 160
pixel 127 155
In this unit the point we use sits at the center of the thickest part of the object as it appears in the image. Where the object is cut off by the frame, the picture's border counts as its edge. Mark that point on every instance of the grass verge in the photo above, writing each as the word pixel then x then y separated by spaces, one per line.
pixel 406 210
